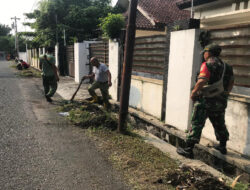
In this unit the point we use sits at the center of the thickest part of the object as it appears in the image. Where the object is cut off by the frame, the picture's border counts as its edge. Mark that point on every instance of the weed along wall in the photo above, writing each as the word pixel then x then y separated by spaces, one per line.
pixel 146 95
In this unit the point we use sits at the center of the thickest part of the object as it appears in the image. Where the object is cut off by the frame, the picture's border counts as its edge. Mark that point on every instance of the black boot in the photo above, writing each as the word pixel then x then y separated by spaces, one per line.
pixel 48 99
pixel 187 152
pixel 221 147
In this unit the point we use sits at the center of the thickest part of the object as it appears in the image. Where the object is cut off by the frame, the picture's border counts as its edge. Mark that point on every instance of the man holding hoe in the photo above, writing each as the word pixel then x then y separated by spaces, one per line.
pixel 102 77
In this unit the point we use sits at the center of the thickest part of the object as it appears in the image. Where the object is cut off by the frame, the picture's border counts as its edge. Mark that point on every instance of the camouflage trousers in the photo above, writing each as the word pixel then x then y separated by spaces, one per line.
pixel 215 111
pixel 104 88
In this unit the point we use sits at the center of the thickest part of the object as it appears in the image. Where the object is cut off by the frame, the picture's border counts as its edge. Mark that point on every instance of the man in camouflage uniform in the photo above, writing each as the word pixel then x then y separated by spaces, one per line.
pixel 49 74
pixel 209 107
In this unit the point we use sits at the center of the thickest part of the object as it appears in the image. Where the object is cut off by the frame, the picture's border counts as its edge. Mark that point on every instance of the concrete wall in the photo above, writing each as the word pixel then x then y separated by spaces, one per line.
pixel 224 13
pixel 146 95
pixel 23 56
pixel 57 55
pixel 184 62
pixel 213 10
pixel 114 68
pixel 238 125
pixel 81 54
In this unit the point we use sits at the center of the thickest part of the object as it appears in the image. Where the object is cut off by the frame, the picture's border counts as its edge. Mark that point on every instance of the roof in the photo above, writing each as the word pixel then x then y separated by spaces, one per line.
pixel 184 4
pixel 153 14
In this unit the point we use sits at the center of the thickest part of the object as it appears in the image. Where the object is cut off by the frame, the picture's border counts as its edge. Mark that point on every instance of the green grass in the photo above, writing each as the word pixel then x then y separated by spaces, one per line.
pixel 30 72
pixel 143 165
pixel 241 186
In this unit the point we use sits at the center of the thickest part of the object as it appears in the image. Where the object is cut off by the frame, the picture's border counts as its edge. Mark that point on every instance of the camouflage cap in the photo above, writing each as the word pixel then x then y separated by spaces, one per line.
pixel 213 48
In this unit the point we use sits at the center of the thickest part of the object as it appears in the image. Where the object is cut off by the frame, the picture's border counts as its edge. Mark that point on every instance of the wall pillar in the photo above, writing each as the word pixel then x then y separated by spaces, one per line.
pixel 114 68
pixel 81 54
pixel 184 63
pixel 57 54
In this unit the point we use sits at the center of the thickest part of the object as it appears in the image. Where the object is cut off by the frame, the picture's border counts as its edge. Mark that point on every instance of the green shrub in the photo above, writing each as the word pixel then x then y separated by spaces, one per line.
pixel 112 25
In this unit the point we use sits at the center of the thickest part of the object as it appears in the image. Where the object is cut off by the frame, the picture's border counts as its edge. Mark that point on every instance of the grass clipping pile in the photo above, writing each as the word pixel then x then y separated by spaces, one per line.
pixel 29 72
pixel 144 166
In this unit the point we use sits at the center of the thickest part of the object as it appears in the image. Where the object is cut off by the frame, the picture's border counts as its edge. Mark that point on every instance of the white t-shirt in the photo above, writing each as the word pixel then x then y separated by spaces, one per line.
pixel 101 74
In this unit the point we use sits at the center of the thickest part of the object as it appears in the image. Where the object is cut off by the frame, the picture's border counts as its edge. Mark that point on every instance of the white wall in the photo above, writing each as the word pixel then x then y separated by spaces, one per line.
pixel 114 68
pixel 81 53
pixel 184 62
pixel 57 54
pixel 23 56
pixel 146 95
pixel 238 125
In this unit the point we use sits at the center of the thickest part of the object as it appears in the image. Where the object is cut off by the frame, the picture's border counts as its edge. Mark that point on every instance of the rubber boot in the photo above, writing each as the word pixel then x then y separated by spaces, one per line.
pixel 221 147
pixel 95 99
pixel 186 152
pixel 107 106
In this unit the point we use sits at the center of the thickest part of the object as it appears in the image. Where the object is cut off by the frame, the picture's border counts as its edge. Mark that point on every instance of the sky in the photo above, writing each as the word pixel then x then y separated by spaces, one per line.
pixel 12 8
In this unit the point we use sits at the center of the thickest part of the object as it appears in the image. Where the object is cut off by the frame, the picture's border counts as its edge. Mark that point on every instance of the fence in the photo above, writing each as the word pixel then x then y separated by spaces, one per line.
pixel 70 60
pixel 100 51
pixel 235 43
pixel 149 56
pixel 33 58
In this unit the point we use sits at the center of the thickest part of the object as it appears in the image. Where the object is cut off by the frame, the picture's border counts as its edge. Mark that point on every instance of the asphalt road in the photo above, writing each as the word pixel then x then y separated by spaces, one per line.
pixel 39 149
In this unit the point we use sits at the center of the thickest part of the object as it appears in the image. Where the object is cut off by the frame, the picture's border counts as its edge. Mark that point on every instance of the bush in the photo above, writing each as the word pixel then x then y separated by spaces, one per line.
pixel 112 25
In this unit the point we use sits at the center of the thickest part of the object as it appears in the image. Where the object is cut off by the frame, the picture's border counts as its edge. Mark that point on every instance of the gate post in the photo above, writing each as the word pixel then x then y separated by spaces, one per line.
pixel 184 63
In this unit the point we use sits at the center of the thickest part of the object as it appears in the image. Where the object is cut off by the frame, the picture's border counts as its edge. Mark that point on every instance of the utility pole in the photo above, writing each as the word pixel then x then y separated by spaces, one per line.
pixel 192 7
pixel 64 37
pixel 127 65
pixel 16 35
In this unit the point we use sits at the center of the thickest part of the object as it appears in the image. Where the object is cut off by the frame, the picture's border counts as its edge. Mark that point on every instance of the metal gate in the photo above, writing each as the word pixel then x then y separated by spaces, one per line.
pixel 235 43
pixel 70 60
pixel 100 50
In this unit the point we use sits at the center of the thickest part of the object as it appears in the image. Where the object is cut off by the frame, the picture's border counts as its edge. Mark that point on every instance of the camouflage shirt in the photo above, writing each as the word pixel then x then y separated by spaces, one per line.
pixel 213 70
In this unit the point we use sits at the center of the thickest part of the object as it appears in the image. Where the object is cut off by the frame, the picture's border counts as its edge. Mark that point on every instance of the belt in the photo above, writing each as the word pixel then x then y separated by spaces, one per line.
pixel 103 82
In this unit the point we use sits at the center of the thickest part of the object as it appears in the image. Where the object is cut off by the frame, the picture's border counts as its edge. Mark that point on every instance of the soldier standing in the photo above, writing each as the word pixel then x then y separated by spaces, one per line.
pixel 49 74
pixel 210 95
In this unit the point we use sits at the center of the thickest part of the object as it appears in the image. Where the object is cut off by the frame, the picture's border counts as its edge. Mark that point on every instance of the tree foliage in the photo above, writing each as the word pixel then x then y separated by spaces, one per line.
pixel 79 19
pixel 4 30
pixel 7 42
pixel 112 25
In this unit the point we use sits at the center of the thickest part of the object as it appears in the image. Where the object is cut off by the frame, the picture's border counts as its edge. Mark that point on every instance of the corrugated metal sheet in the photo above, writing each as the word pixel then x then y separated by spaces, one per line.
pixel 100 51
pixel 235 43
pixel 149 54
pixel 70 60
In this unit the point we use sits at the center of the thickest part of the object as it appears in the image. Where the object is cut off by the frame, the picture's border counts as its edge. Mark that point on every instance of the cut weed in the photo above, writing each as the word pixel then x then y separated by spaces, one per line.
pixel 30 72
pixel 143 165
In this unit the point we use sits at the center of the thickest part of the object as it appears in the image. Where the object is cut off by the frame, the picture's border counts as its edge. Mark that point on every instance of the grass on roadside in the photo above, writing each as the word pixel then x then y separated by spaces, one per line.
pixel 144 166
pixel 30 72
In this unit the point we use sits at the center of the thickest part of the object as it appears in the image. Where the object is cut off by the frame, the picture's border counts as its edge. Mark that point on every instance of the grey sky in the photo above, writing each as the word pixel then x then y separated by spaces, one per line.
pixel 11 8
